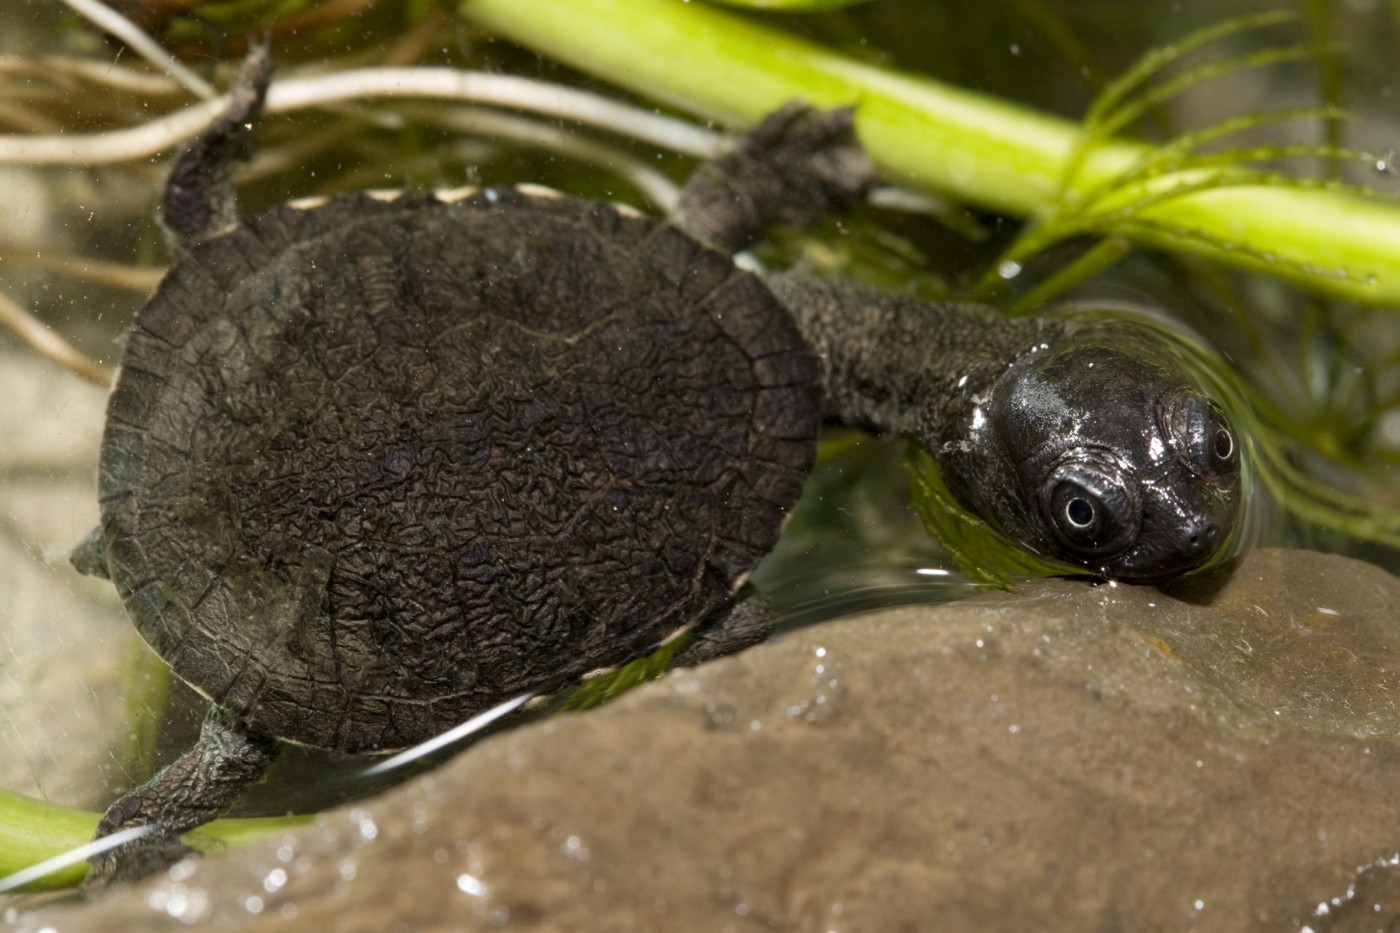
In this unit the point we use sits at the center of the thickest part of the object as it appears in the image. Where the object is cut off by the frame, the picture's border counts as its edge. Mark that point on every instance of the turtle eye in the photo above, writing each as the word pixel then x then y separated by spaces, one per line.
pixel 1090 508
pixel 1224 452
pixel 1200 434
pixel 1078 512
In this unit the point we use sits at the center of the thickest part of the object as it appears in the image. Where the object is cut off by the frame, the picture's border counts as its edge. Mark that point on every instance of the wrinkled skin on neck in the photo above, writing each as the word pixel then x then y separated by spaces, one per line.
pixel 1098 451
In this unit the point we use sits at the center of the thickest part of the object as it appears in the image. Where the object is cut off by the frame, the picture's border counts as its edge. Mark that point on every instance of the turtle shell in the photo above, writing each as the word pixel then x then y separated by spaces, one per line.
pixel 377 463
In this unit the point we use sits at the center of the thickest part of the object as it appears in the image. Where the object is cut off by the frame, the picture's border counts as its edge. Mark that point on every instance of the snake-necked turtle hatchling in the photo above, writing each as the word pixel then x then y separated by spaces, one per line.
pixel 377 463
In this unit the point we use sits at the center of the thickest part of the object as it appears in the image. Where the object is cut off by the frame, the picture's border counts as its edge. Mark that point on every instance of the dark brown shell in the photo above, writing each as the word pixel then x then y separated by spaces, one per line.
pixel 376 465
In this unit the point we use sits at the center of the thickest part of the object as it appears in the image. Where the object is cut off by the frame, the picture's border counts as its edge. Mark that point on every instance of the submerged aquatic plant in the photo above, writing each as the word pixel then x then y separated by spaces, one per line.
pixel 987 152
pixel 1121 207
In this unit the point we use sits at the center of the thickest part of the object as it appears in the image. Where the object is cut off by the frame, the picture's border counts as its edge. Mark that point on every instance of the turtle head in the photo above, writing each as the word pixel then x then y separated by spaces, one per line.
pixel 1104 455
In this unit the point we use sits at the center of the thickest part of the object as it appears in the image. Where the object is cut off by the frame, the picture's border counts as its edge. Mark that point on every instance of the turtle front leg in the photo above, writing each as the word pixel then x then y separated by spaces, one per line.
pixel 199 197
pixel 190 791
pixel 793 168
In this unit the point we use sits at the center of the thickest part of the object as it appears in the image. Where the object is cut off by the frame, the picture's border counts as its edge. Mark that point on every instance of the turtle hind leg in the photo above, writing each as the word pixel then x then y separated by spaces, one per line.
pixel 190 791
pixel 744 622
pixel 794 167
pixel 199 196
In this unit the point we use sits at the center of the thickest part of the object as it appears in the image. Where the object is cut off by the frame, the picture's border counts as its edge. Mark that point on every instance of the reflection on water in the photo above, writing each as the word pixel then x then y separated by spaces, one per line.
pixel 1367 903
pixel 854 544
pixel 822 595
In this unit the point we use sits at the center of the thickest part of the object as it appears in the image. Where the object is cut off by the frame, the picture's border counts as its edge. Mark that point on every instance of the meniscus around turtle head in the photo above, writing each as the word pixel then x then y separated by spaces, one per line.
pixel 1099 453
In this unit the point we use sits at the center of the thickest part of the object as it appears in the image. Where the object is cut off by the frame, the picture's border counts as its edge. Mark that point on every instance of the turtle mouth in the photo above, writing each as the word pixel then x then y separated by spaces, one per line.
pixel 1192 544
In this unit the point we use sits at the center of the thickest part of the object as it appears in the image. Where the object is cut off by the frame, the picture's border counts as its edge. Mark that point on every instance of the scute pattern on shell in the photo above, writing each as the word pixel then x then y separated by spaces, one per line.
pixel 376 465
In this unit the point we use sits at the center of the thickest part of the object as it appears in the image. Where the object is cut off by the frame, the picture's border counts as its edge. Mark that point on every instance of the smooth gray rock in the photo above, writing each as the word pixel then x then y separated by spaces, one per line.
pixel 1076 757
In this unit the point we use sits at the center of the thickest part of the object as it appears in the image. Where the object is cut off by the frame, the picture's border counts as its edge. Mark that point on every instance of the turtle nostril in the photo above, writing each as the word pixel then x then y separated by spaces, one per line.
pixel 1203 537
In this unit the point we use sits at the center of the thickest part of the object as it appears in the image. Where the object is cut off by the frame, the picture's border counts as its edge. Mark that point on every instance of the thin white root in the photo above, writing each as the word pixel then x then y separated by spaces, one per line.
pixel 50 345
pixel 139 279
pixel 292 94
pixel 113 23
pixel 659 189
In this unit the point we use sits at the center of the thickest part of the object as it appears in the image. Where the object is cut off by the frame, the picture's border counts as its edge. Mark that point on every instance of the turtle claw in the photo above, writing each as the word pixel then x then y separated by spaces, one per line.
pixel 795 167
pixel 132 861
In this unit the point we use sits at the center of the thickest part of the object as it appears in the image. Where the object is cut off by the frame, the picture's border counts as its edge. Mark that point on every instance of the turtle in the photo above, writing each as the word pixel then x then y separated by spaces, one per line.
pixel 377 462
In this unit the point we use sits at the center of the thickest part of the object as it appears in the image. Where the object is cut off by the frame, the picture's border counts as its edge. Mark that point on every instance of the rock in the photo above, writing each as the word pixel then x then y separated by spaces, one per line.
pixel 1220 756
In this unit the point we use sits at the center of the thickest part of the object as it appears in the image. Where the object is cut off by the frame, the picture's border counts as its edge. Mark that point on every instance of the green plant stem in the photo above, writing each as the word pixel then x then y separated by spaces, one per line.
pixel 32 831
pixel 985 151
pixel 1105 253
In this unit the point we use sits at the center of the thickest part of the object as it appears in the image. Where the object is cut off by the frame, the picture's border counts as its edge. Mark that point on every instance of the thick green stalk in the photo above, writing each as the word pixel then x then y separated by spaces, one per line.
pixel 984 151
pixel 32 831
